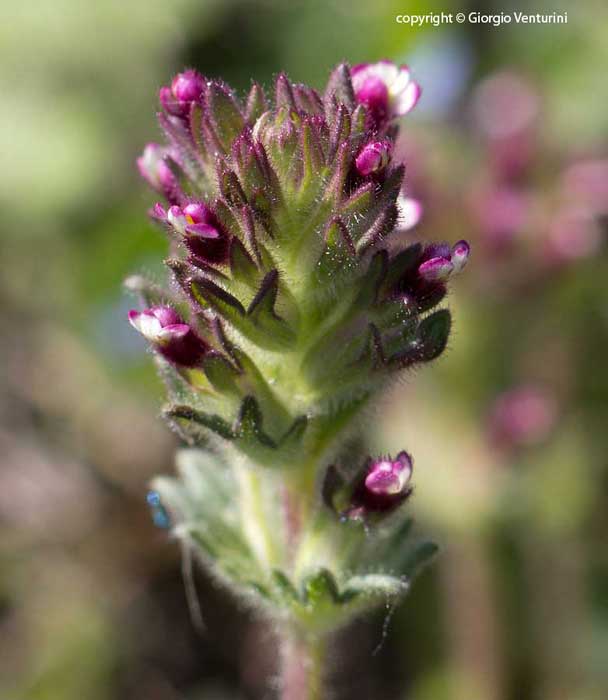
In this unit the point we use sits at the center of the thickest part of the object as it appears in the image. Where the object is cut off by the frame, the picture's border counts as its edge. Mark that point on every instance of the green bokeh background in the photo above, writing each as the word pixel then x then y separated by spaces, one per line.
pixel 91 597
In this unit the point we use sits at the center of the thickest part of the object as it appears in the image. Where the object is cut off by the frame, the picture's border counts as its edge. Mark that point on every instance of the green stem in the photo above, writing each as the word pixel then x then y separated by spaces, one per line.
pixel 303 660
pixel 255 519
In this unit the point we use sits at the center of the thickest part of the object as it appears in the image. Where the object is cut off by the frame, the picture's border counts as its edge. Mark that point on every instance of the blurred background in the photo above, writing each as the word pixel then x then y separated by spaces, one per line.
pixel 508 148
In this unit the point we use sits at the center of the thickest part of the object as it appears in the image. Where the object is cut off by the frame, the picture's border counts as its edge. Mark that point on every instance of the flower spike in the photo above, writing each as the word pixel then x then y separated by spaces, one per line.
pixel 291 304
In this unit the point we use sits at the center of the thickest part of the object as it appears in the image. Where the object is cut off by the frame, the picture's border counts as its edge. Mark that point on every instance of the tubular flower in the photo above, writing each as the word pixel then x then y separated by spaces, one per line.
pixel 376 490
pixel 169 335
pixel 297 308
pixel 199 229
pixel 386 89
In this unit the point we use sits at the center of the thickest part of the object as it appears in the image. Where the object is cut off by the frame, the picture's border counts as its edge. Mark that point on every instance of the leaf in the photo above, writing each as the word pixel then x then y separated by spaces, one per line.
pixel 284 587
pixel 312 152
pixel 262 327
pixel 284 96
pixel 242 267
pixel 229 184
pixel 321 589
pixel 222 375
pixel 359 202
pixel 262 314
pixel 248 426
pixel 371 281
pixel 338 238
pixel 340 86
pixel 416 557
pixel 373 585
pixel 293 437
pixel 402 265
pixel 209 421
pixel 433 334
pixel 340 131
pixel 308 99
pixel 224 113
pixel 256 103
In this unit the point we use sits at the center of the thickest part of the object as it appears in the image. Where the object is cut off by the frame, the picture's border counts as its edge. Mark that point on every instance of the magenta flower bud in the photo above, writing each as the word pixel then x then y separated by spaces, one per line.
pixel 186 88
pixel 460 255
pixel 153 168
pixel 522 416
pixel 388 477
pixel 436 269
pixel 373 158
pixel 163 327
pixel 439 261
pixel 385 88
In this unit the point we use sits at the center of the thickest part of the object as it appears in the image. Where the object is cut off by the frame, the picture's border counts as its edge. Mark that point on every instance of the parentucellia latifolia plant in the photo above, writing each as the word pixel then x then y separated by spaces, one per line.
pixel 289 310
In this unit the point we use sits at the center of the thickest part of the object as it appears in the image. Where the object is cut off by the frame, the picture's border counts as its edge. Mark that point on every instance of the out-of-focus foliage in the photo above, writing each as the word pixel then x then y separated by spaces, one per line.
pixel 91 599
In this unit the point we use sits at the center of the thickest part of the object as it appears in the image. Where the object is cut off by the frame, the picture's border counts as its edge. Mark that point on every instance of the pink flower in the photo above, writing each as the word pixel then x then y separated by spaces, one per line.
pixel 387 477
pixel 202 233
pixel 573 234
pixel 385 88
pixel 163 327
pixel 441 261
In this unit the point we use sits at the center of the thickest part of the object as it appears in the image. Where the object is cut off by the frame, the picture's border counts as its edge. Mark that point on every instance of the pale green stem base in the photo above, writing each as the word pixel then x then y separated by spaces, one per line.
pixel 303 670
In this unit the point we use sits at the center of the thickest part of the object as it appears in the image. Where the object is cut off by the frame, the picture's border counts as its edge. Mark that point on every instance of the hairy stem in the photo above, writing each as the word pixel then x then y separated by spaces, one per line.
pixel 303 659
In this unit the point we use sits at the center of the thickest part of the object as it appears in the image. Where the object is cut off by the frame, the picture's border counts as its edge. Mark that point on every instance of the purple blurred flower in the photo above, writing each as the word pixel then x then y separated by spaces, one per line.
pixel 504 104
pixel 501 213
pixel 587 182
pixel 386 89
pixel 522 416
pixel 164 328
pixel 573 234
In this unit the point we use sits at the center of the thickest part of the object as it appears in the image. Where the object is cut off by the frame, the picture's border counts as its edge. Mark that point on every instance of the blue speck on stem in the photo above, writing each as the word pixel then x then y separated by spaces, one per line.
pixel 160 517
